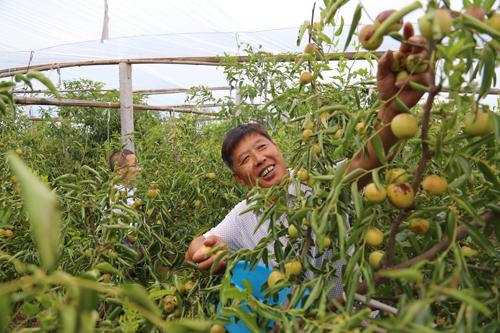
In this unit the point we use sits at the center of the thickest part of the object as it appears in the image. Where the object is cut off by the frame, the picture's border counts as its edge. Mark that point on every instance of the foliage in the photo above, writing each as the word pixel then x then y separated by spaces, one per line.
pixel 119 265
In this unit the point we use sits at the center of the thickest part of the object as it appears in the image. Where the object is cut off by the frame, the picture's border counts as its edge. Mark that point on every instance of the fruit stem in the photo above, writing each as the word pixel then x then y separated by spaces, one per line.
pixel 394 18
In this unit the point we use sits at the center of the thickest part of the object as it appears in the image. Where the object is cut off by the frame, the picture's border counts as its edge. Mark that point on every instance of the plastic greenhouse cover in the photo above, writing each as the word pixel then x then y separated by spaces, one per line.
pixel 52 31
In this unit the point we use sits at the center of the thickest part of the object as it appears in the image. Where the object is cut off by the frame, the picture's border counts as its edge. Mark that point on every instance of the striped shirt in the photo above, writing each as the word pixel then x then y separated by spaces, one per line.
pixel 238 231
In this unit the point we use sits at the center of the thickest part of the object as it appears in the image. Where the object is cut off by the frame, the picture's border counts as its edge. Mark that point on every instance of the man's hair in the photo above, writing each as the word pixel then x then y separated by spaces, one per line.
pixel 233 138
pixel 118 158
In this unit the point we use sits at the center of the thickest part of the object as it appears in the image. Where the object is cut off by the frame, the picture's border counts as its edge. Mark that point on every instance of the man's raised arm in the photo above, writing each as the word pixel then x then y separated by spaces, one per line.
pixel 388 88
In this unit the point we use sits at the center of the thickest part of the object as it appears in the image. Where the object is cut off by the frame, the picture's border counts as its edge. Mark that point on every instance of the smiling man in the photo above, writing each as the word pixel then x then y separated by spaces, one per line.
pixel 254 158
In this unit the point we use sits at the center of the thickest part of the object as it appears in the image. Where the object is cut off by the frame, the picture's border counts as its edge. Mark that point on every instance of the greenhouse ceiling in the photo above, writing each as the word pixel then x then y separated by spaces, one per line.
pixel 51 31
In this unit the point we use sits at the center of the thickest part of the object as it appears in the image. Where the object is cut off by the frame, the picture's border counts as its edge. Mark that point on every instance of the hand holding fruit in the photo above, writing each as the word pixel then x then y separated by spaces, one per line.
pixel 205 259
pixel 388 82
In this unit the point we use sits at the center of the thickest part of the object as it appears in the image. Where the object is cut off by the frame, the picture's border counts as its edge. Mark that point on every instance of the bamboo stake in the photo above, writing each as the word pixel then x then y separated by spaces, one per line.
pixel 106 105
pixel 142 92
pixel 204 61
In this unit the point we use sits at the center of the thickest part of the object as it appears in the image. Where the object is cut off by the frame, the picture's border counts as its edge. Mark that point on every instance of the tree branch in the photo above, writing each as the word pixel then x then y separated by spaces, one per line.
pixel 461 233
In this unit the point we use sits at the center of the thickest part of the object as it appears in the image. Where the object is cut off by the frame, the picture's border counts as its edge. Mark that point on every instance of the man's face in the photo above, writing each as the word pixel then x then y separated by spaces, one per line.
pixel 258 160
pixel 130 170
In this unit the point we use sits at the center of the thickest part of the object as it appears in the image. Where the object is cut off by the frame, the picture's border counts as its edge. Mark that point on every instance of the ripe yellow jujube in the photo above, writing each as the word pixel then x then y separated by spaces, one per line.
pixel 494 21
pixel 400 195
pixel 274 277
pixel 302 175
pixel 404 126
pixel 434 184
pixel 478 124
pixel 374 194
pixel 305 78
pixel 217 328
pixel 292 231
pixel 375 259
pixel 468 252
pixel 293 268
pixel 396 175
pixel 360 127
pixel 419 226
pixel 374 237
pixel 310 48
pixel 444 21
pixel 306 134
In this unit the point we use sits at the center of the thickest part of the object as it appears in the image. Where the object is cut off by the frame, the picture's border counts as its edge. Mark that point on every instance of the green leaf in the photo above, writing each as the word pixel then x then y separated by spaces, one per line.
pixel 379 149
pixel 106 267
pixel 356 198
pixel 408 274
pixel 376 179
pixel 302 30
pixel 40 204
pixel 341 27
pixel 418 87
pixel 136 294
pixel 248 319
pixel 402 106
pixel 188 326
pixel 30 309
pixel 451 224
pixel 488 59
pixel 5 310
pixel 332 9
pixel 488 174
pixel 464 298
pixel 43 80
pixel 479 238
pixel 468 207
pixel 342 235
pixel 314 295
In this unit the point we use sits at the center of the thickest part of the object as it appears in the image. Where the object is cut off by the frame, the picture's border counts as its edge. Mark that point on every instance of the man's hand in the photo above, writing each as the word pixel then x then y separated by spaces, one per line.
pixel 198 253
pixel 389 89
pixel 387 85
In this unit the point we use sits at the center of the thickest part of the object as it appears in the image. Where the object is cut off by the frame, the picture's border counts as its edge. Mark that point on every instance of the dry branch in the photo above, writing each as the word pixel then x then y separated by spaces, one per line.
pixel 106 105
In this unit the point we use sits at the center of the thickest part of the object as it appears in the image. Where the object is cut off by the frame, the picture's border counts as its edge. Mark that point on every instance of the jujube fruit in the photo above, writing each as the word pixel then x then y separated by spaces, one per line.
pixel 419 226
pixel 375 259
pixel 293 268
pixel 468 252
pixel 396 175
pixel 306 134
pixel 217 328
pixel 292 231
pixel 374 194
pixel 305 78
pixel 434 184
pixel 404 126
pixel 374 237
pixel 476 12
pixel 400 195
pixel 478 124
pixel 310 48
pixel 444 21
pixel 364 38
pixel 274 277
pixel 302 174
pixel 494 21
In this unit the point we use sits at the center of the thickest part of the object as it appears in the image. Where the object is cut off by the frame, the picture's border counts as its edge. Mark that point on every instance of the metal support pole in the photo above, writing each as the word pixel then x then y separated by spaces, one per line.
pixel 126 106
